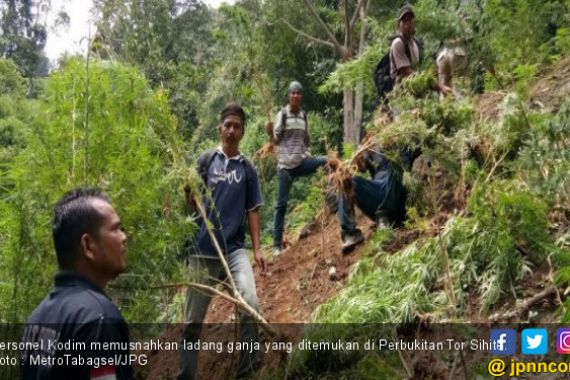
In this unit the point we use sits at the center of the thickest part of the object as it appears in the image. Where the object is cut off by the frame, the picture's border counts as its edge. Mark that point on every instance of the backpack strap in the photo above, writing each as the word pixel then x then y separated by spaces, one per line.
pixel 407 49
pixel 204 162
pixel 284 117
pixel 420 46
pixel 307 135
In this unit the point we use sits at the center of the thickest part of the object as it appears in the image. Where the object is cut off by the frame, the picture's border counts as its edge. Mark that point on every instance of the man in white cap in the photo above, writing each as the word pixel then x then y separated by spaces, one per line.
pixel 291 136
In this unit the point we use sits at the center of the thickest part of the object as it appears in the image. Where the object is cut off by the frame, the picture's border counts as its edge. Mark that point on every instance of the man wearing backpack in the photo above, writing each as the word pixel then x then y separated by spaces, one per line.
pixel 404 57
pixel 406 51
pixel 235 194
pixel 291 135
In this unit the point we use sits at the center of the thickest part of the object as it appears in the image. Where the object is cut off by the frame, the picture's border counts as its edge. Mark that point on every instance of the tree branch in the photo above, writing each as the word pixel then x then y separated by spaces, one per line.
pixel 341 49
pixel 355 14
pixel 347 28
pixel 308 36
pixel 530 302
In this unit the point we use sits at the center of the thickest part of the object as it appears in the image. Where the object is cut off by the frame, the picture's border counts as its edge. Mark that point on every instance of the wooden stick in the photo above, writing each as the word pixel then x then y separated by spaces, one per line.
pixel 404 364
pixel 213 291
pixel 464 365
pixel 241 302
pixel 529 302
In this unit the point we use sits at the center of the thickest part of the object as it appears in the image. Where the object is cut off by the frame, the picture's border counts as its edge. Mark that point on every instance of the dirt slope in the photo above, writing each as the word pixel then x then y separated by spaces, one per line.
pixel 300 279
pixel 296 283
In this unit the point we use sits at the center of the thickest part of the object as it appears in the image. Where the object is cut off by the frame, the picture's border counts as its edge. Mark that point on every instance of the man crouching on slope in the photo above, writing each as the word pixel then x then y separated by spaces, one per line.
pixel 235 193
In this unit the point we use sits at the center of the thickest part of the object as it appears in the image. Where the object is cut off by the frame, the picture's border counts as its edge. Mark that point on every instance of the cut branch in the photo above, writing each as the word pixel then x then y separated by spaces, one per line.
pixel 401 355
pixel 530 302
pixel 524 306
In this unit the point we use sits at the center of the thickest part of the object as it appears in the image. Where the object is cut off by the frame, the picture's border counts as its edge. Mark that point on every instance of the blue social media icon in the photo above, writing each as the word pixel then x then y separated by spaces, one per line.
pixel 534 341
pixel 503 341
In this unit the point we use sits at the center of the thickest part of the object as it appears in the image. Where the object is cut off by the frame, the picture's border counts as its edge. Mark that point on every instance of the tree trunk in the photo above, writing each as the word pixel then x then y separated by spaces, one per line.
pixel 359 95
pixel 358 105
pixel 352 106
pixel 348 109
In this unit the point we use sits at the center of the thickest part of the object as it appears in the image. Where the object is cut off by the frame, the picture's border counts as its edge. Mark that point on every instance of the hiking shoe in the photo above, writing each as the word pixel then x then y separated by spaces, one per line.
pixel 276 251
pixel 351 241
pixel 382 223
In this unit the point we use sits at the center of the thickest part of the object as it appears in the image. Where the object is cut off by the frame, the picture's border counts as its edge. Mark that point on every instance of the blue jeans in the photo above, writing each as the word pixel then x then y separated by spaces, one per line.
pixel 286 177
pixel 209 272
pixel 384 197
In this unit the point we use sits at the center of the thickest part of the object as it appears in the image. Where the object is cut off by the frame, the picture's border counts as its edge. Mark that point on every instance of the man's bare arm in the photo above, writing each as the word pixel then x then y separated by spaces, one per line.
pixel 254 231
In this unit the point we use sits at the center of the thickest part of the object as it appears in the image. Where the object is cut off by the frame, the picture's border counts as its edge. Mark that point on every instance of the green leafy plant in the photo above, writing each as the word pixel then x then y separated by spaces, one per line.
pixel 114 132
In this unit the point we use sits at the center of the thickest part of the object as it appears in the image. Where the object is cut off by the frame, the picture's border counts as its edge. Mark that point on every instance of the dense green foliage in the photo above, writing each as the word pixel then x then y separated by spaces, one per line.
pixel 119 140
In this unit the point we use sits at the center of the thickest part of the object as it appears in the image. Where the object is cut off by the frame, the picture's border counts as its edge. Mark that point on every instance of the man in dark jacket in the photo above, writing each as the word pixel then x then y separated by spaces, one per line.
pixel 382 198
pixel 66 335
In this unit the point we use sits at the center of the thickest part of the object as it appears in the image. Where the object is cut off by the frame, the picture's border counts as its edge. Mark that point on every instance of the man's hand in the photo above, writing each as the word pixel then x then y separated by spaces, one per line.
pixel 333 163
pixel 269 128
pixel 260 261
pixel 445 90
pixel 359 161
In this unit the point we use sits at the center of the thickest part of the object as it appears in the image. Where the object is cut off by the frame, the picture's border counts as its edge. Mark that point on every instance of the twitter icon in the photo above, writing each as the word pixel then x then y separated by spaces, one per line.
pixel 534 341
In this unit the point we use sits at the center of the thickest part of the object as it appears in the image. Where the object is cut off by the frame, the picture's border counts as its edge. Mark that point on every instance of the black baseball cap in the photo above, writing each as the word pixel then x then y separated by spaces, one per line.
pixel 404 11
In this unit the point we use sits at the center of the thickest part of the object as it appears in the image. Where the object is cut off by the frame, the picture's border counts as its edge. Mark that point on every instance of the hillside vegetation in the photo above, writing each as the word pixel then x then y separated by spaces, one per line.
pixel 488 201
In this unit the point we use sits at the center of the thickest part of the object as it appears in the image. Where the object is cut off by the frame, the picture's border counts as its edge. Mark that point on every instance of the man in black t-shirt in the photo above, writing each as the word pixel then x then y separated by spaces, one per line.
pixel 66 335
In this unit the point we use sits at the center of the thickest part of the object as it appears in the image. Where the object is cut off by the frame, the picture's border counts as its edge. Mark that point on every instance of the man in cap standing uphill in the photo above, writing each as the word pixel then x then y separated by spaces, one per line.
pixel 406 50
pixel 291 135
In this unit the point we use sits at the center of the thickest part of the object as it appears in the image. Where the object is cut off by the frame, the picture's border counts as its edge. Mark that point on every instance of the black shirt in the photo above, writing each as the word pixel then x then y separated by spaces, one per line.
pixel 71 330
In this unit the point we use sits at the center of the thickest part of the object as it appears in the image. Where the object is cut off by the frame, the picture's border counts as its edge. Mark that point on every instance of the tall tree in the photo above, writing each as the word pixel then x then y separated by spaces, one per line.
pixel 22 36
pixel 168 40
pixel 348 43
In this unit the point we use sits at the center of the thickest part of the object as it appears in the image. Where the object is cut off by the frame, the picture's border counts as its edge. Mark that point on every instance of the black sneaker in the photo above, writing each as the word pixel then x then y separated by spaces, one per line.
pixel 350 242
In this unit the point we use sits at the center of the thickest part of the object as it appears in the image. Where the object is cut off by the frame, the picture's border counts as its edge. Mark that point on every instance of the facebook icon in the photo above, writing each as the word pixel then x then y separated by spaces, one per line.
pixel 503 341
